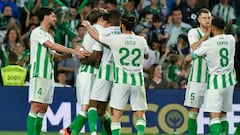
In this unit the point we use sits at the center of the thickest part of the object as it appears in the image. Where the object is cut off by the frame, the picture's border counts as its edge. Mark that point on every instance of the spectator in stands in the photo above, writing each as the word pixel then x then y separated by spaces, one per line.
pixel 100 4
pixel 111 5
pixel 175 72
pixel 177 26
pixel 156 46
pixel 155 79
pixel 154 7
pixel 129 9
pixel 13 74
pixel 226 12
pixel 158 30
pixel 23 54
pixel 62 79
pixel 12 37
pixel 3 55
pixel 10 3
pixel 145 24
pixel 182 47
pixel 189 12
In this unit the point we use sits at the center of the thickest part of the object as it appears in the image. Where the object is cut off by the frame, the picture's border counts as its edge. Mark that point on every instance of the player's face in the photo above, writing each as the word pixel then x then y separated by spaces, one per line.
pixel 104 23
pixel 205 20
pixel 52 19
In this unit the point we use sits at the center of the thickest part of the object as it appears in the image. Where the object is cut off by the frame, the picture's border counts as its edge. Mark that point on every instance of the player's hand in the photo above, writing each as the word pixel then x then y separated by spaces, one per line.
pixel 82 54
pixel 86 23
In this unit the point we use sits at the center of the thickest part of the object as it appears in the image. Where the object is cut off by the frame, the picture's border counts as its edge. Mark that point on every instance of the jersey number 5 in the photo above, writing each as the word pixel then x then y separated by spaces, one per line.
pixel 135 53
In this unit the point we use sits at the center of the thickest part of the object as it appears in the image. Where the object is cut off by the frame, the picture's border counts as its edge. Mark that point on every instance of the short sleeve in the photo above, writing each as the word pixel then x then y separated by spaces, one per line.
pixel 97 47
pixel 201 51
pixel 41 36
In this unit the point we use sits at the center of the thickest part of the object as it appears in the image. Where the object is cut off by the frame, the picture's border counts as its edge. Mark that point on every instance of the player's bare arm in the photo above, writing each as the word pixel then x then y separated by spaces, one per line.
pixel 59 57
pixel 90 30
pixel 60 48
pixel 195 45
pixel 95 57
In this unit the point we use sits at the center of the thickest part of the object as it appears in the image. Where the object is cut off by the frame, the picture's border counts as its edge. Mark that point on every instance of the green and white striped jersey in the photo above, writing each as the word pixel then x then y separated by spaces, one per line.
pixel 198 71
pixel 106 68
pixel 128 53
pixel 41 57
pixel 219 53
pixel 88 43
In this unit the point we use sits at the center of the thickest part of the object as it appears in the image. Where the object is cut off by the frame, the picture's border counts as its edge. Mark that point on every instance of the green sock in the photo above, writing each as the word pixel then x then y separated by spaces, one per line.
pixel 39 123
pixel 237 131
pixel 92 119
pixel 78 122
pixel 106 124
pixel 192 126
pixel 215 127
pixel 31 123
pixel 115 127
pixel 192 123
pixel 225 126
pixel 140 126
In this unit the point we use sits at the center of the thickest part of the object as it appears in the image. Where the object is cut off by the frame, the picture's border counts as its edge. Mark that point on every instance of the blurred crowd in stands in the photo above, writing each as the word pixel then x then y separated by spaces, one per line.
pixel 164 23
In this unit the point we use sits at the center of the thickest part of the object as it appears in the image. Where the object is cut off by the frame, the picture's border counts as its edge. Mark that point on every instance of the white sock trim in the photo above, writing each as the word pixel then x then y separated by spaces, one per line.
pixel 193 115
pixel 40 115
pixel 223 119
pixel 107 116
pixel 141 122
pixel 115 125
pixel 83 113
pixel 215 121
pixel 92 108
pixel 32 114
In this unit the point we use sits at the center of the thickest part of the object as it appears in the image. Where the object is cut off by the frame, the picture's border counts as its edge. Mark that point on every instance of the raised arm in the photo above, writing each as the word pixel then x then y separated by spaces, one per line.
pixel 90 30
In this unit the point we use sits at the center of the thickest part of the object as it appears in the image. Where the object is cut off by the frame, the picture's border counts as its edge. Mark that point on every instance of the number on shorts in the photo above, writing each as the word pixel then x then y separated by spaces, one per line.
pixel 39 91
pixel 192 96
pixel 224 57
pixel 126 53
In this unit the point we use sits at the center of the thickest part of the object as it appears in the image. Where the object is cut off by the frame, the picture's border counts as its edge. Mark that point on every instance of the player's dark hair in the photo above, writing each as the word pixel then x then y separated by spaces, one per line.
pixel 114 17
pixel 128 22
pixel 44 11
pixel 203 10
pixel 219 23
pixel 95 14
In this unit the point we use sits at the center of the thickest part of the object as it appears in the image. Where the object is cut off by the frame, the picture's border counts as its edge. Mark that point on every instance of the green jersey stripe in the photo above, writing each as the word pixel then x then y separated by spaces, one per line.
pixel 215 82
pixel 133 79
pixel 45 65
pixel 208 82
pixel 230 78
pixel 100 72
pixel 108 68
pixel 91 69
pixel 141 78
pixel 191 73
pixel 124 77
pixel 199 72
pixel 39 50
pixel 224 80
pixel 116 72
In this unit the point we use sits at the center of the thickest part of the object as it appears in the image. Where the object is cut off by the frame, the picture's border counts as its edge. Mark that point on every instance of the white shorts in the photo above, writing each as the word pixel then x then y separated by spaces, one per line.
pixel 84 83
pixel 121 93
pixel 101 90
pixel 41 90
pixel 194 95
pixel 218 100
